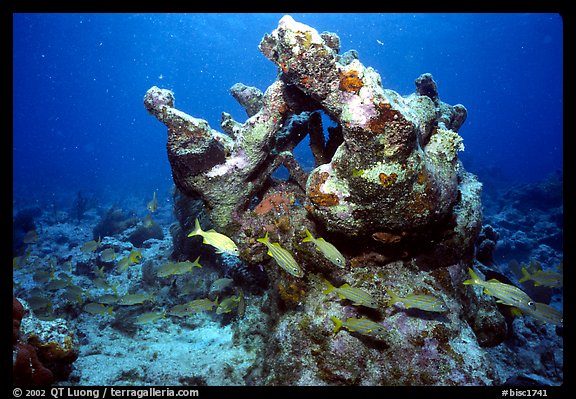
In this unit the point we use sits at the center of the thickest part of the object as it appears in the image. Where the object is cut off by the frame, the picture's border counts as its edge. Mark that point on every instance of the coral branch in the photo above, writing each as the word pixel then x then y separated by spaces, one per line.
pixel 204 161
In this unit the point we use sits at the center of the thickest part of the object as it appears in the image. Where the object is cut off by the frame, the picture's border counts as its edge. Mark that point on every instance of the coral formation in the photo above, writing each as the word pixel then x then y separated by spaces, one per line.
pixel 205 161
pixel 387 190
pixel 43 350
pixel 374 175
pixel 142 233
pixel 113 222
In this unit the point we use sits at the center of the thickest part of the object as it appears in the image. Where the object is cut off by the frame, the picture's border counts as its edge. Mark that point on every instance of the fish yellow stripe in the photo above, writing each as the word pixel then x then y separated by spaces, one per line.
pixel 282 257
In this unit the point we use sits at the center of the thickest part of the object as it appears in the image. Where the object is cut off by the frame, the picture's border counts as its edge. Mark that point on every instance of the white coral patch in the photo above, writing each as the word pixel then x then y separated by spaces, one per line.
pixel 236 162
pixel 297 29
pixel 357 112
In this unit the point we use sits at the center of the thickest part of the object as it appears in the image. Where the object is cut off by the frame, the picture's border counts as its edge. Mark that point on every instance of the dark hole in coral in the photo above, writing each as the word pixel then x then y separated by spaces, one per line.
pixel 254 202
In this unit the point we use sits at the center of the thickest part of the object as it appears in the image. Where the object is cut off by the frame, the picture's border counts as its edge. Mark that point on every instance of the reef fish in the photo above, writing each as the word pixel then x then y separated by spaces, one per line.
pixel 363 326
pixel 73 293
pixel 133 258
pixel 540 277
pixel 423 302
pixel 102 284
pixel 59 283
pixel 195 306
pixel 147 221
pixel 98 308
pixel 356 295
pixel 42 276
pixel 39 301
pixel 91 246
pixel 134 299
pixel 200 305
pixel 179 310
pixel 149 317
pixel 241 304
pixel 505 293
pixel 108 299
pixel 19 261
pixel 282 257
pixel 108 255
pixel 328 250
pixel 545 313
pixel 153 204
pixel 228 304
pixel 221 242
pixel 221 284
pixel 177 268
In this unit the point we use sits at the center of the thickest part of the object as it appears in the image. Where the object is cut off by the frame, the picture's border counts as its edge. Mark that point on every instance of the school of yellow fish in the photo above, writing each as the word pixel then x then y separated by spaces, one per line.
pixel 505 294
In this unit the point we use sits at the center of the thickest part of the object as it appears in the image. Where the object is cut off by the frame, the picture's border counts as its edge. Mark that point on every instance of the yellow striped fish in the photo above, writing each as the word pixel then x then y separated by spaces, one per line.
pixel 282 257
pixel 149 317
pixel 177 268
pixel 134 299
pixel 423 302
pixel 507 294
pixel 545 313
pixel 328 250
pixel 134 257
pixel 540 277
pixel 363 326
pixel 356 295
pixel 228 304
pixel 200 305
pixel 219 241
pixel 98 308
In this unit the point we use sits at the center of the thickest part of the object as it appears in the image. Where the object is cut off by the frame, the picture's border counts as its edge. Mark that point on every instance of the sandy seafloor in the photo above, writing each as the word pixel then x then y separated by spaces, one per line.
pixel 200 349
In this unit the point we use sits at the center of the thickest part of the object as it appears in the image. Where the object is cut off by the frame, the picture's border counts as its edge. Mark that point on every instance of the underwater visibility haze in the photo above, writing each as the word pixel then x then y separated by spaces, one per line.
pixel 303 199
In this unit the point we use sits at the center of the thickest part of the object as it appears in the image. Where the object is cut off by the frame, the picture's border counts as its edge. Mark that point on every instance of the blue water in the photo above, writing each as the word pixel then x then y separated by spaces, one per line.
pixel 79 81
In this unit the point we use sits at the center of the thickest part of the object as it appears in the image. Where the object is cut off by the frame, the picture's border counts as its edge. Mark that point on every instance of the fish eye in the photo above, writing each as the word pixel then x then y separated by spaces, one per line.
pixel 531 304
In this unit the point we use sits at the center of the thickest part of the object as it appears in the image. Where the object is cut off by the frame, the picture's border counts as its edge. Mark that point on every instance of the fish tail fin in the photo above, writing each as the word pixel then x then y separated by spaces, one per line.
pixel 329 287
pixel 197 229
pixel 393 297
pixel 474 279
pixel 309 236
pixel 337 323
pixel 196 263
pixel 525 275
pixel 110 311
pixel 264 239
